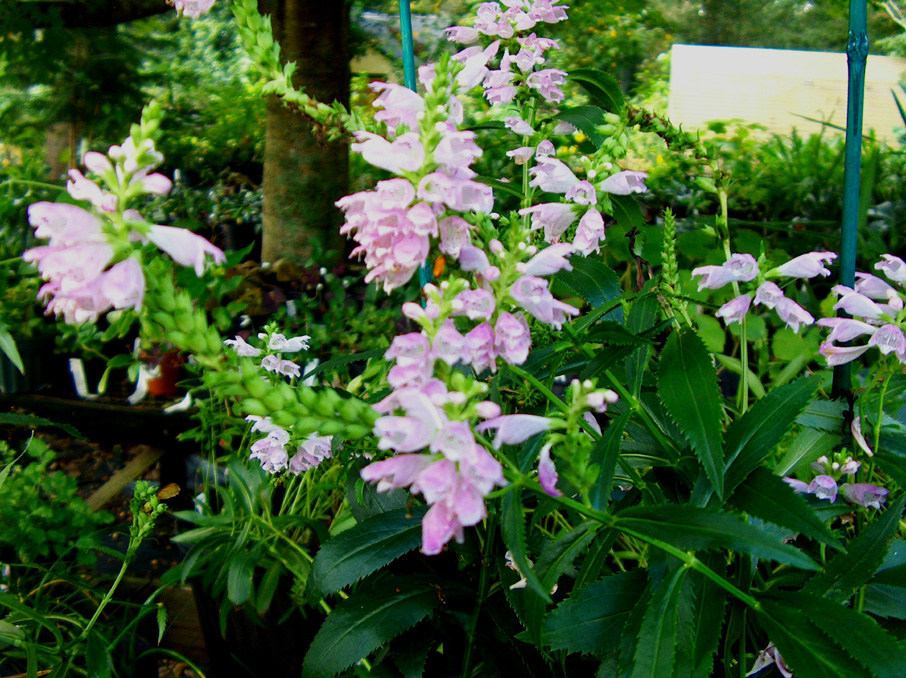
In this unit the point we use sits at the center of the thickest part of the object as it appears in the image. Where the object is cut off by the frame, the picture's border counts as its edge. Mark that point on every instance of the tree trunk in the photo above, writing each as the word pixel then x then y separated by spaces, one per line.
pixel 305 175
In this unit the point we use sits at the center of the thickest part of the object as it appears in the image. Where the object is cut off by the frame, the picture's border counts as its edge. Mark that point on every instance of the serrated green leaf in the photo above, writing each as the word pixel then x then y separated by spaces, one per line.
pixel 755 434
pixel 859 634
pixel 592 280
pixel 824 415
pixel 805 649
pixel 848 571
pixel 368 619
pixel 807 446
pixel 161 622
pixel 97 657
pixel 891 455
pixel 587 119
pixel 701 622
pixel 690 527
pixel 501 186
pixel 604 360
pixel 512 527
pixel 15 419
pixel 606 453
pixel 554 560
pixel 627 212
pixel 591 619
pixel 630 636
pixel 10 633
pixel 766 496
pixel 602 87
pixel 883 600
pixel 642 317
pixel 687 385
pixel 655 652
pixel 595 561
pixel 366 547
pixel 410 651
pixel 614 334
pixel 364 499
pixel 8 346
pixel 240 572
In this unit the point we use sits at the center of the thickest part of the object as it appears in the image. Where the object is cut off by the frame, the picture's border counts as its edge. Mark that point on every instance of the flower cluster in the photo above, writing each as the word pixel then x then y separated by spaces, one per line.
pixel 272 454
pixel 743 268
pixel 877 312
pixel 93 261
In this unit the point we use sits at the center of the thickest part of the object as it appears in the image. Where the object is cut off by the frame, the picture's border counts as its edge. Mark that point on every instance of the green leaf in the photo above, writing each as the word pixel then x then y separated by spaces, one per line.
pixel 807 446
pixel 8 346
pixel 268 586
pixel 364 499
pixel 755 434
pixel 342 360
pixel 805 649
pixel 615 334
pixel 602 87
pixel 883 600
pixel 10 633
pixel 14 419
pixel 642 317
pixel 161 622
pixel 368 619
pixel 605 454
pixel 690 527
pixel 824 415
pixel 687 385
pixel 502 186
pixel 97 657
pixel 655 652
pixel 556 558
pixel 587 119
pixel 891 455
pixel 848 571
pixel 366 547
pixel 592 280
pixel 591 619
pixel 240 571
pixel 627 212
pixel 701 615
pixel 512 526
pixel 766 496
pixel 859 634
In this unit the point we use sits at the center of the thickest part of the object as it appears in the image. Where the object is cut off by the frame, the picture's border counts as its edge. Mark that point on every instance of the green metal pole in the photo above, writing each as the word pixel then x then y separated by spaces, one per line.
pixel 857 56
pixel 408 44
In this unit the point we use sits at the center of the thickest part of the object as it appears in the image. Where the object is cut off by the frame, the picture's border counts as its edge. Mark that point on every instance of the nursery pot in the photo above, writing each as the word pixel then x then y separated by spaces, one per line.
pixel 164 385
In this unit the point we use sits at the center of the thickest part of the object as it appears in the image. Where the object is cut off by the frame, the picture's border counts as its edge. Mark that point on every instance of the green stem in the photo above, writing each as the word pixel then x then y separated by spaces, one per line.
pixel 482 595
pixel 109 595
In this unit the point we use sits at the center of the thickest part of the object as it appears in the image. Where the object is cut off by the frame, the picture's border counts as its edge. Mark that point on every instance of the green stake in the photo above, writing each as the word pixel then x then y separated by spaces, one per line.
pixel 857 55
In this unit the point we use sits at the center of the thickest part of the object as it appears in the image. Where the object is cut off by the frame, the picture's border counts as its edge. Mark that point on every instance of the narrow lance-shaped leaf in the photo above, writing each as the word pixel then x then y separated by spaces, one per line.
pixel 512 525
pixel 690 527
pixel 754 435
pixel 366 547
pixel 592 280
pixel 366 620
pixel 591 619
pixel 602 87
pixel 848 571
pixel 766 496
pixel 605 454
pixel 687 385
pixel 701 614
pixel 655 652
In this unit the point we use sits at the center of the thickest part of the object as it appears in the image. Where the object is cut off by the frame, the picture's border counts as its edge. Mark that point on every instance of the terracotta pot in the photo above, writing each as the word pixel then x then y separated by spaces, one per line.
pixel 164 385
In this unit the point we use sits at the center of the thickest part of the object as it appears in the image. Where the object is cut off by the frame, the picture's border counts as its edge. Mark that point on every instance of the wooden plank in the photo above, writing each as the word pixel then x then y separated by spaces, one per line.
pixel 134 469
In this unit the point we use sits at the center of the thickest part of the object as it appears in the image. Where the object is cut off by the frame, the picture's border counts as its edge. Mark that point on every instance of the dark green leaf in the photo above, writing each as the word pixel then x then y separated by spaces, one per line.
pixel 627 212
pixel 868 643
pixel 97 658
pixel 240 571
pixel 410 651
pixel 161 622
pixel 848 571
pixel 807 446
pixel 687 385
pixel 689 527
pixel 592 280
pixel 766 496
pixel 883 600
pixel 512 526
pixel 364 499
pixel 595 561
pixel 10 633
pixel 587 119
pixel 891 455
pixel 805 649
pixel 630 636
pixel 556 558
pixel 614 334
pixel 368 619
pixel 498 185
pixel 604 454
pixel 642 317
pixel 357 552
pixel 701 615
pixel 602 87
pixel 756 433
pixel 13 419
pixel 655 652
pixel 342 360
pixel 591 619
pixel 8 346
pixel 604 360
pixel 268 586
pixel 824 415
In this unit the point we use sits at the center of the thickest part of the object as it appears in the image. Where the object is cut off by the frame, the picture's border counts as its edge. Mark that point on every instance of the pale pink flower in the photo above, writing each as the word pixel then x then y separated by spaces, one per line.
pixel 625 183
pixel 735 309
pixel 856 430
pixel 864 494
pixel 873 287
pixel 824 487
pixel 456 149
pixel 465 35
pixel 552 175
pixel 522 154
pixel 310 454
pixel 473 258
pixel 793 314
pixel 513 429
pixel 846 329
pixel 547 82
pixel 81 188
pixel 448 344
pixel 840 355
pixel 589 233
pixel 519 126
pixel 479 348
pixel 512 338
pixel 397 472
pixel 807 265
pixel 768 294
pixel 242 348
pixel 856 304
pixel 889 339
pixel 403 154
pixel 416 429
pixel 454 233
pixel 548 261
pixel 64 224
pixel 400 105
pixel 184 247
pixel 278 342
pixel 533 295
pixel 893 267
pixel 193 9
pixel 582 193
pixel 124 284
pixel 738 268
pixel 408 349
pixel 476 304
pixel 547 472
pixel 555 217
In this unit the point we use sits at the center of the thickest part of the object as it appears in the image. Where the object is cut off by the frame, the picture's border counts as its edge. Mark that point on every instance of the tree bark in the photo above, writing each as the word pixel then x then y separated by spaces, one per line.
pixel 305 175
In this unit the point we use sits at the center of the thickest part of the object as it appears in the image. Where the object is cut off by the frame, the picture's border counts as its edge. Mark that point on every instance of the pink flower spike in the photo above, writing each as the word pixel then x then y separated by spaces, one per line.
pixel 625 183
pixel 547 472
pixel 735 309
pixel 476 304
pixel 184 247
pixel 397 472
pixel 865 494
pixel 840 355
pixel 768 294
pixel 479 348
pixel 552 175
pixel 124 284
pixel 798 486
pixel 512 338
pixel 846 329
pixel 513 429
pixel 549 260
pixel 856 304
pixel 555 217
pixel 807 265
pixel 242 348
pixel 893 267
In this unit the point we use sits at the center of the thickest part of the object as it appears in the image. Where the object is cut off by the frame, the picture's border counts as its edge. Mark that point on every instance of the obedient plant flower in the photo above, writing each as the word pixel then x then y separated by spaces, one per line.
pixel 310 454
pixel 738 268
pixel 547 472
pixel 193 8
pixel 625 183
pixel 806 266
pixel 243 349
pixel 893 267
pixel 864 494
pixel 514 428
